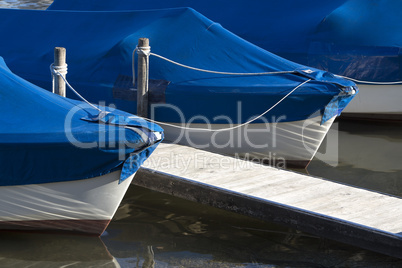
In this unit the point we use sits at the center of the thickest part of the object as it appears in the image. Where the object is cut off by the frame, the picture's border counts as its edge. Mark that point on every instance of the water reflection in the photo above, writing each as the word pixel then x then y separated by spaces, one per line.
pixel 51 250
pixel 25 4
pixel 369 156
pixel 186 234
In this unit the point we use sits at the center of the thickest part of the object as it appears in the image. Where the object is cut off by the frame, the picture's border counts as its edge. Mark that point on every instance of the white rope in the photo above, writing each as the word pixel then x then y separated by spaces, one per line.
pixel 231 128
pixel 216 72
pixel 369 82
pixel 55 71
pixel 61 69
pixel 146 51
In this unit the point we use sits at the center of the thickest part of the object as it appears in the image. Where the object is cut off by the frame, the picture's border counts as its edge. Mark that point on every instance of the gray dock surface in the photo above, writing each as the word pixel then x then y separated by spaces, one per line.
pixel 328 209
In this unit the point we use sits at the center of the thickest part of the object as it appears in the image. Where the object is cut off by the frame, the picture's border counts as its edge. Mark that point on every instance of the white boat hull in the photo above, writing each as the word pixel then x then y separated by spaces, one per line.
pixel 282 144
pixel 376 102
pixel 82 206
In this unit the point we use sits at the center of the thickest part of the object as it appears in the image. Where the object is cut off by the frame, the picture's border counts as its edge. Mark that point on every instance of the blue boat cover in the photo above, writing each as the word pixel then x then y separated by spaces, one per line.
pixel 99 55
pixel 355 38
pixel 47 138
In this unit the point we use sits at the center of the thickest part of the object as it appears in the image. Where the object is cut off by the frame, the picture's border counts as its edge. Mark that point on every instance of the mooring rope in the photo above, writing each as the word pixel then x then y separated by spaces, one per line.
pixel 62 70
pixel 230 128
pixel 147 51
pixel 55 70
pixel 370 82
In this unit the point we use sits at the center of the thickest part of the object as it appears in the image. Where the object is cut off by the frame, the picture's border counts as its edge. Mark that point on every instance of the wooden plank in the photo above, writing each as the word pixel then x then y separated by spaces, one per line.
pixel 336 211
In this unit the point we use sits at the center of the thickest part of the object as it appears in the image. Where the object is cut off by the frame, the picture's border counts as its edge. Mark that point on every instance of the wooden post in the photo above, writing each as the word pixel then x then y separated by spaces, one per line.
pixel 142 82
pixel 59 86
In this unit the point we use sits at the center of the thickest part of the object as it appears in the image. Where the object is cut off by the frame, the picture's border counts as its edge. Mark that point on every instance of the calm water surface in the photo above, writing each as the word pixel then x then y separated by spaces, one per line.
pixel 156 230
pixel 25 4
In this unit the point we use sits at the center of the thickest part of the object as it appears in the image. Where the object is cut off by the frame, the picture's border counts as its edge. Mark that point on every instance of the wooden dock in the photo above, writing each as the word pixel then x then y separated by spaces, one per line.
pixel 351 215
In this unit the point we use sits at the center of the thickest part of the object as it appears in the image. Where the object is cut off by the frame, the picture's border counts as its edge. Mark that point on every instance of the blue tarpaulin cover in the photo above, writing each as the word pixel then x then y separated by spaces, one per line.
pixel 355 38
pixel 47 138
pixel 99 51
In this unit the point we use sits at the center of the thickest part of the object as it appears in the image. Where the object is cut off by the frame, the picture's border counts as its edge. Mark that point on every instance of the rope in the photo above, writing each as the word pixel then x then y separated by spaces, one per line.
pixel 62 71
pixel 369 82
pixel 146 51
pixel 216 72
pixel 231 128
pixel 55 71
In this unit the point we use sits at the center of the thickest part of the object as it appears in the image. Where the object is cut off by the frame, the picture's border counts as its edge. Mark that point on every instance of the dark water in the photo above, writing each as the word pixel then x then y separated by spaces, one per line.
pixel 156 230
pixel 370 156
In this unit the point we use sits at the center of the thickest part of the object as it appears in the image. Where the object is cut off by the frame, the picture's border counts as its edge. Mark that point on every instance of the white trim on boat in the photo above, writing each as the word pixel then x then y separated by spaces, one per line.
pixel 95 199
pixel 295 141
pixel 377 100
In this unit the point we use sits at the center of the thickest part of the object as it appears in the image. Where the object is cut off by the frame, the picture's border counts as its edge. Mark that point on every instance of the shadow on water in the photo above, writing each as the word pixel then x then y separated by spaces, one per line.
pixel 50 250
pixel 187 234
pixel 369 156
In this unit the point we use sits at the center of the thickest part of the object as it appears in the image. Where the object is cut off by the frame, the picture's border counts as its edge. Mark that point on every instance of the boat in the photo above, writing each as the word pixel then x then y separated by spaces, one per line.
pixel 339 36
pixel 209 88
pixel 64 165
